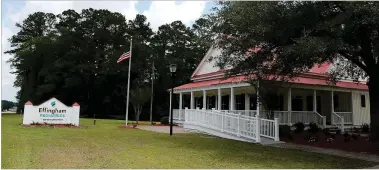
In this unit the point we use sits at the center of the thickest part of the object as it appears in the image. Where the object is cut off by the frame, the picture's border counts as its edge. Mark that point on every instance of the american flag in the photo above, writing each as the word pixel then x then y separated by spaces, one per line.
pixel 124 56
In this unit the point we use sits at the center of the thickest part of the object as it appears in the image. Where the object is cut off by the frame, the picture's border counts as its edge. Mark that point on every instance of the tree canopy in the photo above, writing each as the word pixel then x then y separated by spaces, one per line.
pixel 72 56
pixel 289 38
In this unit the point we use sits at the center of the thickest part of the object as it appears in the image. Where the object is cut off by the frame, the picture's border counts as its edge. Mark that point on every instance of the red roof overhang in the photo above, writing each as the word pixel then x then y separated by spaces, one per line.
pixel 299 80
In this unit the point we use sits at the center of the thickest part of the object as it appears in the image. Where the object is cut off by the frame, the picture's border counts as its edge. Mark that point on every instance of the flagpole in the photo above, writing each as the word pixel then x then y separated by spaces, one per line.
pixel 127 96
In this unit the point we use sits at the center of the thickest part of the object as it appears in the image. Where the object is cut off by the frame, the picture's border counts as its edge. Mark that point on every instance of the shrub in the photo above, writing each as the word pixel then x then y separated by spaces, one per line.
pixel 356 130
pixel 164 120
pixel 346 135
pixel 326 132
pixel 284 130
pixel 354 136
pixel 313 127
pixel 338 132
pixel 299 127
pixel 365 127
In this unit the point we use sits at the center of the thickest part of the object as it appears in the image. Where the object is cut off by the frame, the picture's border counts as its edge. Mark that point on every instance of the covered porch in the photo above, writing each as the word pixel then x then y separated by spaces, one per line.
pixel 297 103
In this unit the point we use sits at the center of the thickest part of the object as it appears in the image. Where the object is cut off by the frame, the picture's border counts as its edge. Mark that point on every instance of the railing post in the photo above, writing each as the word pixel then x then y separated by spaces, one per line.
pixel 276 129
pixel 211 117
pixel 324 121
pixel 333 116
pixel 342 124
pixel 238 125
pixel 223 120
pixel 258 129
pixel 185 114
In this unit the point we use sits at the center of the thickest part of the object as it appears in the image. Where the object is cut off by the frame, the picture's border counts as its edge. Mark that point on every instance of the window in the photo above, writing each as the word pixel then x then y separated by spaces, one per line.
pixel 211 100
pixel 363 100
pixel 309 103
pixel 225 102
pixel 240 102
pixel 297 103
pixel 253 102
pixel 336 101
pixel 199 102
pixel 281 102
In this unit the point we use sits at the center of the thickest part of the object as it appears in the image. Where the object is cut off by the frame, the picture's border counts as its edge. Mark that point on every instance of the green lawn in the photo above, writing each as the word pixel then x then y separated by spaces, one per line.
pixel 107 146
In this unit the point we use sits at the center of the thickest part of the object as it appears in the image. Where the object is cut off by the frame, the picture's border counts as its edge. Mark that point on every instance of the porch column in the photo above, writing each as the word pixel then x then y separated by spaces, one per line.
pixel 192 101
pixel 170 114
pixel 219 99
pixel 232 98
pixel 247 101
pixel 314 101
pixel 180 104
pixel 289 105
pixel 204 99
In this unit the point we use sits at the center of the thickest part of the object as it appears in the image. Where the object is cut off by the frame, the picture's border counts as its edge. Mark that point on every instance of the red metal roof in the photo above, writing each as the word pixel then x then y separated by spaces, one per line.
pixel 320 69
pixel 28 103
pixel 299 80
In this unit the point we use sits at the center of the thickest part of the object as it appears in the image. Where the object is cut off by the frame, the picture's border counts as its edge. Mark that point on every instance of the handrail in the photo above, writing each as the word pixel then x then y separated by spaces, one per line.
pixel 323 118
pixel 341 122
pixel 347 116
pixel 233 124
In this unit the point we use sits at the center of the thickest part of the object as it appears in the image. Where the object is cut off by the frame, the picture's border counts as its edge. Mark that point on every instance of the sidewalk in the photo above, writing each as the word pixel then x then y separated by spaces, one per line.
pixel 353 155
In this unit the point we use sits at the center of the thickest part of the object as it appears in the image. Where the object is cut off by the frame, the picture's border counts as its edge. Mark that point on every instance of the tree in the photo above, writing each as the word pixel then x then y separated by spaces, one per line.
pixel 6 105
pixel 139 97
pixel 289 38
pixel 72 56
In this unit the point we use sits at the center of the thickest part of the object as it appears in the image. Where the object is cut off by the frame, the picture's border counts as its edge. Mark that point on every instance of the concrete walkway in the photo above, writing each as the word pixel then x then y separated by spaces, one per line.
pixel 162 129
pixel 353 155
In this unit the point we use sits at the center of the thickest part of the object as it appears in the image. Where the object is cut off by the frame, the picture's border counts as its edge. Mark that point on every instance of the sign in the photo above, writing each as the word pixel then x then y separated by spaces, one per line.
pixel 51 112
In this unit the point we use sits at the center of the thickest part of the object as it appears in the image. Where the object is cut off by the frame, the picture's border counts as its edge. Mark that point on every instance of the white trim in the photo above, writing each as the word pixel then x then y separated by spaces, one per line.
pixel 213 87
pixel 210 77
pixel 202 61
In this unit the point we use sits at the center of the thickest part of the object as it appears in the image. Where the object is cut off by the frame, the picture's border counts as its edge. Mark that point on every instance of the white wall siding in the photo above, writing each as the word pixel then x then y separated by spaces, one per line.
pixel 360 114
pixel 209 62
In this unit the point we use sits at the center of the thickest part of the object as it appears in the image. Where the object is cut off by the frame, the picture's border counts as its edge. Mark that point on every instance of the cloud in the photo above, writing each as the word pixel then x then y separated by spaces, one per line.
pixel 159 13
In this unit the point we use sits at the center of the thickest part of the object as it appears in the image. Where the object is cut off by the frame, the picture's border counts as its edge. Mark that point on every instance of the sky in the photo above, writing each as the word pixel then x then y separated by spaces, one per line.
pixel 157 13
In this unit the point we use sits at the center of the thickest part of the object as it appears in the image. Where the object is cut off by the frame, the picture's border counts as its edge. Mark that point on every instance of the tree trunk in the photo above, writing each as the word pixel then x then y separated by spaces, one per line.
pixel 137 115
pixel 373 86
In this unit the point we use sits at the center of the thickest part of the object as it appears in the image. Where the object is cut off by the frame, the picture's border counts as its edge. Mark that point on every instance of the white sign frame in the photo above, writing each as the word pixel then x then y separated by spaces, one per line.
pixel 51 111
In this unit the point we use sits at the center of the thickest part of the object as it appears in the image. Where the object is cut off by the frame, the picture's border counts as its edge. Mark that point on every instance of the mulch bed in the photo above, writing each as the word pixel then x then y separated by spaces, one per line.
pixel 54 126
pixel 361 144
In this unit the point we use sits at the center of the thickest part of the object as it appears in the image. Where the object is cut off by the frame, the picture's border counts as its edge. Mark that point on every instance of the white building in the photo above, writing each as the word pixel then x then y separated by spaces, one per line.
pixel 307 99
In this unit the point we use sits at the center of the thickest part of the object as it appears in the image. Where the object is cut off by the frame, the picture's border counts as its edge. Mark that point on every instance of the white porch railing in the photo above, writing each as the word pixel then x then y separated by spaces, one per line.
pixel 285 117
pixel 242 112
pixel 268 128
pixel 338 121
pixel 307 117
pixel 347 117
pixel 233 124
pixel 178 114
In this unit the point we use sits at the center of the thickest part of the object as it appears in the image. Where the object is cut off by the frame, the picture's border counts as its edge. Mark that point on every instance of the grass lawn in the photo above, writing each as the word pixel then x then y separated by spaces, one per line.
pixel 107 146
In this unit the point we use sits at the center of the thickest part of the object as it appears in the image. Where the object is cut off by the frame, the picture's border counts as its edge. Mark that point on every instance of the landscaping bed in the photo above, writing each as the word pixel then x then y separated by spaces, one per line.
pixel 53 126
pixel 360 144
pixel 348 141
